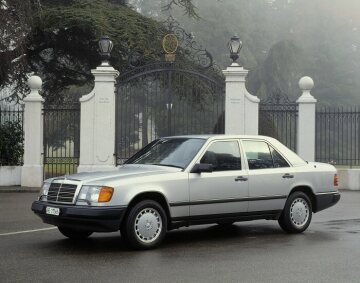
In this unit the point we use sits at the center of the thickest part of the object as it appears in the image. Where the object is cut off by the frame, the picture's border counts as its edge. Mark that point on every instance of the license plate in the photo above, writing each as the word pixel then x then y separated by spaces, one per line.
pixel 52 210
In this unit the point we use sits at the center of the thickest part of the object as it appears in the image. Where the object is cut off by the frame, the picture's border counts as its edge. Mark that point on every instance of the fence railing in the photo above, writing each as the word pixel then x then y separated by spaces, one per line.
pixel 12 134
pixel 338 136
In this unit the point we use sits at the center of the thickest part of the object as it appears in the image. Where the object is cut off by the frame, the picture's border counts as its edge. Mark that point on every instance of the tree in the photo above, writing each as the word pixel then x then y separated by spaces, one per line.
pixel 147 7
pixel 60 44
pixel 15 22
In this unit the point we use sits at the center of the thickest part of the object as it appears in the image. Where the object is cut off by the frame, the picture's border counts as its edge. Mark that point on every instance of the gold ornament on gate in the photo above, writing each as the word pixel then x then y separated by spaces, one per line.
pixel 170 44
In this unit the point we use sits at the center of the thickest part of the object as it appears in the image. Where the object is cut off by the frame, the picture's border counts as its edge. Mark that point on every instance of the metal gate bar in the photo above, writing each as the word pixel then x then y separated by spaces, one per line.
pixel 163 99
pixel 61 140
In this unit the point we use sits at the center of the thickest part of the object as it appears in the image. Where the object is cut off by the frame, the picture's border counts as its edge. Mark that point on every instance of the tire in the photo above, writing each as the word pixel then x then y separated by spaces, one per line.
pixel 297 213
pixel 74 234
pixel 145 225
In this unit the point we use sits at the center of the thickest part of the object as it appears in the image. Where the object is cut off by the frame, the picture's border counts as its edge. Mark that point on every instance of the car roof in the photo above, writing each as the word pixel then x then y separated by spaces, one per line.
pixel 221 136
pixel 290 155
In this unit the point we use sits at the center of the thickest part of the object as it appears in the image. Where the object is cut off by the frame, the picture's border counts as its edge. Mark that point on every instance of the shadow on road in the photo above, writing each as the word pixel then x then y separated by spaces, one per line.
pixel 237 235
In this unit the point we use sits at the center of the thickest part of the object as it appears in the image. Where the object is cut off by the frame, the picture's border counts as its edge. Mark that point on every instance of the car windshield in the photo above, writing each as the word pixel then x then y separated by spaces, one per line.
pixel 173 152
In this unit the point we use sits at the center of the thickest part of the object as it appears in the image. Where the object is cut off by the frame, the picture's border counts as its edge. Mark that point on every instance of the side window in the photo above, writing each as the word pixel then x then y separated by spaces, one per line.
pixel 279 161
pixel 223 156
pixel 258 154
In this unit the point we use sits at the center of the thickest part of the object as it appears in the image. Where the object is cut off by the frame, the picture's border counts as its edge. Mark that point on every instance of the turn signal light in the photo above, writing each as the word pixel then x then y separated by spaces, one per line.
pixel 105 194
pixel 336 180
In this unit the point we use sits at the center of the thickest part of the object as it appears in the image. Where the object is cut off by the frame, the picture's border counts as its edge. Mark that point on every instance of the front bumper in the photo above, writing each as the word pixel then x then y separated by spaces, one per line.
pixel 325 200
pixel 95 219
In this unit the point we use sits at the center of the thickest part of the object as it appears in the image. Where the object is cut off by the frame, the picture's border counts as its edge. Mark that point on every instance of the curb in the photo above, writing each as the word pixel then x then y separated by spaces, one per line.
pixel 17 189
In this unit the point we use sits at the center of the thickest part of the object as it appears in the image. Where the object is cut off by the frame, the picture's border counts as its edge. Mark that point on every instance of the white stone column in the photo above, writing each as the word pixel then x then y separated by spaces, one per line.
pixel 306 120
pixel 32 170
pixel 97 126
pixel 241 108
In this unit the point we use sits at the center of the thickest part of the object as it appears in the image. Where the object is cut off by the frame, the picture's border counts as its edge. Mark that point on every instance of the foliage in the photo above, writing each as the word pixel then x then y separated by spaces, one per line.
pixel 61 44
pixel 11 143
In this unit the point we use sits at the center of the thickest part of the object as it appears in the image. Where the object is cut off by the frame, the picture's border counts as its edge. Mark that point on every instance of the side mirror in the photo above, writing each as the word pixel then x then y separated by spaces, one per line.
pixel 202 167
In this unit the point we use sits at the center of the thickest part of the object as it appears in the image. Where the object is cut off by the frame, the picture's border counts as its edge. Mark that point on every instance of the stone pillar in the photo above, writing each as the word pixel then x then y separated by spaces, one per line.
pixel 241 108
pixel 32 170
pixel 306 120
pixel 97 126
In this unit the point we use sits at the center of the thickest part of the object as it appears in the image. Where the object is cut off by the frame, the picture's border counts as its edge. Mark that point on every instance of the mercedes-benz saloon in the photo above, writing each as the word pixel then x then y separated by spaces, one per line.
pixel 188 180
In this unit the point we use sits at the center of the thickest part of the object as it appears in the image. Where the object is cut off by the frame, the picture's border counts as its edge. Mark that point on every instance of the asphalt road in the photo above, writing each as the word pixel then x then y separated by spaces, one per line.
pixel 258 251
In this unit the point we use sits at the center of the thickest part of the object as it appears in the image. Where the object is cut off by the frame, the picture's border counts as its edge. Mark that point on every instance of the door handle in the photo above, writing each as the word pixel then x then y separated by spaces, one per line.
pixel 288 176
pixel 241 178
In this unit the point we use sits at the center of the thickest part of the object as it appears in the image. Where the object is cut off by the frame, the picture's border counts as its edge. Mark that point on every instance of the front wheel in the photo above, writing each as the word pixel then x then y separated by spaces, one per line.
pixel 74 234
pixel 146 225
pixel 297 213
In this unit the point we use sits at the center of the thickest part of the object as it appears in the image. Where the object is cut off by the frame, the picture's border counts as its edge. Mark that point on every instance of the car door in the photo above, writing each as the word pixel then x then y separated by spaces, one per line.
pixel 270 176
pixel 223 191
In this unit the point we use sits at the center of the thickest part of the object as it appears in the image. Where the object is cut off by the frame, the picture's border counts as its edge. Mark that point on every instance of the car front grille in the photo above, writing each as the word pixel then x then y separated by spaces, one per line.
pixel 59 192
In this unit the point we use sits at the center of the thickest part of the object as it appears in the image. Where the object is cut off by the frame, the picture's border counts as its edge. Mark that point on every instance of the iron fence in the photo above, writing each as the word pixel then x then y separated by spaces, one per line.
pixel 61 140
pixel 338 136
pixel 12 113
pixel 278 119
pixel 12 119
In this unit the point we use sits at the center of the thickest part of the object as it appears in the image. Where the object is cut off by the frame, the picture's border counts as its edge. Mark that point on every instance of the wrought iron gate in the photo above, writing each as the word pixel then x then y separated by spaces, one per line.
pixel 278 118
pixel 61 140
pixel 168 97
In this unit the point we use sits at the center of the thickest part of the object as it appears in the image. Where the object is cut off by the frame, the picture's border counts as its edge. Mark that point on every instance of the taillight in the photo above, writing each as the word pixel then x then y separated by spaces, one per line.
pixel 336 180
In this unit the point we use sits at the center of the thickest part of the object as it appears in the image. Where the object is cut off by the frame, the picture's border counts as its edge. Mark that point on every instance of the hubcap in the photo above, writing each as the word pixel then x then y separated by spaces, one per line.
pixel 299 212
pixel 148 225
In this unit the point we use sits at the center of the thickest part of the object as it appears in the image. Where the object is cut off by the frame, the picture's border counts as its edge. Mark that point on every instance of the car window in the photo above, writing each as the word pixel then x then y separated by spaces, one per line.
pixel 172 152
pixel 223 156
pixel 278 160
pixel 258 155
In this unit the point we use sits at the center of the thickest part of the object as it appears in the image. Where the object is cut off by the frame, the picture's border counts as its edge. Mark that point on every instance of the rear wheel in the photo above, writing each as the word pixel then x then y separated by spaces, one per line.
pixel 145 226
pixel 74 234
pixel 297 213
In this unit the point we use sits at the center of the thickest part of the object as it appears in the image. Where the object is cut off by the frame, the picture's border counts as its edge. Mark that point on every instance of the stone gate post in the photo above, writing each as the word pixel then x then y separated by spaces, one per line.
pixel 97 122
pixel 32 170
pixel 306 120
pixel 241 108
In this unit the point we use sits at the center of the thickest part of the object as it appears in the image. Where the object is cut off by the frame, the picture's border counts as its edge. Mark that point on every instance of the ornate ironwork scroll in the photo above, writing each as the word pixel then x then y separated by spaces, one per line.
pixel 190 49
pixel 277 100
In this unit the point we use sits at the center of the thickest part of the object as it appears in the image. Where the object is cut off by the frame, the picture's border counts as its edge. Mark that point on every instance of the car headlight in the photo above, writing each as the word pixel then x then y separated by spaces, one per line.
pixel 94 194
pixel 44 191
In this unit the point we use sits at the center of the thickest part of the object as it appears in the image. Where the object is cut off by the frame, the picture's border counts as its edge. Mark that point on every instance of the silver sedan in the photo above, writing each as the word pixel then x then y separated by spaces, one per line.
pixel 189 180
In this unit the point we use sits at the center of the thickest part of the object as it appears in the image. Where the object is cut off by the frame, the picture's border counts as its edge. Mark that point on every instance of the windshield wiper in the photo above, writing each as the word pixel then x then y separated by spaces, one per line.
pixel 168 165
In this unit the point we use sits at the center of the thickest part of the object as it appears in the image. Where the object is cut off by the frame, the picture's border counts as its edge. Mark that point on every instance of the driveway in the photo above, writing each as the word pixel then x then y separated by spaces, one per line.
pixel 258 251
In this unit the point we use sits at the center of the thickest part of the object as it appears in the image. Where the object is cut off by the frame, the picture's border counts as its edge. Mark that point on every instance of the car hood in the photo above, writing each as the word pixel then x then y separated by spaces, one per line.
pixel 133 170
